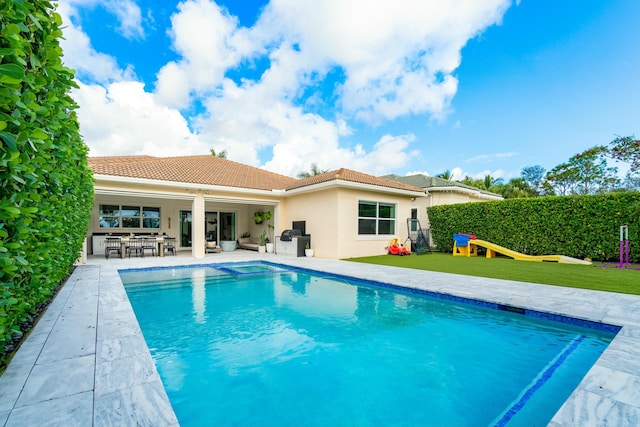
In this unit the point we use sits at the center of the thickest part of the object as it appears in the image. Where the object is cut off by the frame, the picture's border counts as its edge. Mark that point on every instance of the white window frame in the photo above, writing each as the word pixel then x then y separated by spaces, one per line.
pixel 377 218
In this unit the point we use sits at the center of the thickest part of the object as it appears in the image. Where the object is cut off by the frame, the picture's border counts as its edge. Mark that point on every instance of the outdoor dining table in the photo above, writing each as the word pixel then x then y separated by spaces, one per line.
pixel 124 240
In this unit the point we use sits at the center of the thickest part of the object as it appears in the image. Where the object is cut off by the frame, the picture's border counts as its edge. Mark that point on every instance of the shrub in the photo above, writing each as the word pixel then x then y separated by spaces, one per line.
pixel 46 190
pixel 577 226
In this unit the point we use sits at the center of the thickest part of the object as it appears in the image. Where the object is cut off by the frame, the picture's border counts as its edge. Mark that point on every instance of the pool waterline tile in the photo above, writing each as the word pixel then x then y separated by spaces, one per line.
pixel 582 408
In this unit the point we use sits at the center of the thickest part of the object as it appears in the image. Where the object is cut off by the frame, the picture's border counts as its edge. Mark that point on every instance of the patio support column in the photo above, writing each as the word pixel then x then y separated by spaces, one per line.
pixel 197 226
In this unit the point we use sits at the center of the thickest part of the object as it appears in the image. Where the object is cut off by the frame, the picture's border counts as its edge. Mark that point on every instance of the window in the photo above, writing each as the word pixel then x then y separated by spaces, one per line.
pixel 109 216
pixel 115 216
pixel 376 218
pixel 414 215
pixel 150 217
pixel 131 216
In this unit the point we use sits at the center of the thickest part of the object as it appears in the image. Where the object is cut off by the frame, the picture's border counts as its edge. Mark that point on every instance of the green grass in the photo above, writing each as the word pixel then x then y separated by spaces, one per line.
pixel 550 273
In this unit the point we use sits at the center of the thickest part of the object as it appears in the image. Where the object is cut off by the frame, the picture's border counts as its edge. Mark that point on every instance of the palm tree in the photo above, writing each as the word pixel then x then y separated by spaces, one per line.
pixel 467 180
pixel 222 154
pixel 314 171
pixel 445 175
pixel 490 181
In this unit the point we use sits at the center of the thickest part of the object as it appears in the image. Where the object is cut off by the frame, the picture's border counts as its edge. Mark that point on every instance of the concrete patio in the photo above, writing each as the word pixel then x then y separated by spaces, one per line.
pixel 86 362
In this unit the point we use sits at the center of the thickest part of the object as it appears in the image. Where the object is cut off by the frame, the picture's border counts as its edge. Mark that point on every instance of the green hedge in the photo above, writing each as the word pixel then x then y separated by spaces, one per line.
pixel 577 226
pixel 46 190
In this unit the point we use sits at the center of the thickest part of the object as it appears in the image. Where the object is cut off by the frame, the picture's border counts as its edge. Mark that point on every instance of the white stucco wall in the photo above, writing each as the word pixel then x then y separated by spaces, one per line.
pixel 331 217
pixel 437 198
pixel 331 214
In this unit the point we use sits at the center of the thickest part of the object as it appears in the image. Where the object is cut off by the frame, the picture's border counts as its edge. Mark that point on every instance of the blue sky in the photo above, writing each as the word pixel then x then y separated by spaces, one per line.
pixel 381 87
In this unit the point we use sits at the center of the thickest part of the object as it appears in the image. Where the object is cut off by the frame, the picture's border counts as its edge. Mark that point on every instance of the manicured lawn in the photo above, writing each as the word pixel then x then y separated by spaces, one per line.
pixel 550 273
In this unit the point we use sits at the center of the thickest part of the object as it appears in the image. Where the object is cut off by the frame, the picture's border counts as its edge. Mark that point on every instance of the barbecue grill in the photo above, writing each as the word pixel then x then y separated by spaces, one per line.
pixel 288 235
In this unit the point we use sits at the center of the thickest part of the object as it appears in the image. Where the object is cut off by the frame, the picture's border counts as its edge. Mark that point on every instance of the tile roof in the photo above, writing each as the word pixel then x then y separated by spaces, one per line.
pixel 203 169
pixel 356 177
pixel 212 170
pixel 427 182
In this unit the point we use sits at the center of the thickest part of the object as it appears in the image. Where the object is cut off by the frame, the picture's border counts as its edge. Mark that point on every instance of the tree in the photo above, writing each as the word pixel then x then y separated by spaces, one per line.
pixel 584 173
pixel 561 180
pixel 46 186
pixel 631 181
pixel 488 182
pixel 445 175
pixel 626 149
pixel 467 180
pixel 222 154
pixel 534 176
pixel 516 188
pixel 594 176
pixel 314 171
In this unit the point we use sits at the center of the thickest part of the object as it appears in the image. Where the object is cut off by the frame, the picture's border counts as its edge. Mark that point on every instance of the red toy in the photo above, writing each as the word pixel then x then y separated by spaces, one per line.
pixel 397 247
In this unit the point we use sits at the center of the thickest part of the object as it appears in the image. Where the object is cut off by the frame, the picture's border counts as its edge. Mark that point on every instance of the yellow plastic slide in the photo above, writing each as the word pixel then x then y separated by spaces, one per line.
pixel 492 249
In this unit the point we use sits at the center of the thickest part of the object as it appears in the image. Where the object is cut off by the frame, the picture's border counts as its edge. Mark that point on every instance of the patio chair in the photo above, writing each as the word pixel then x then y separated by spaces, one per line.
pixel 170 245
pixel 112 244
pixel 149 244
pixel 134 245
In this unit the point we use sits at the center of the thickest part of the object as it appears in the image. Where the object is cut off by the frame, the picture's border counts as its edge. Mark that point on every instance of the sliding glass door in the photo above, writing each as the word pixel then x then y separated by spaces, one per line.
pixel 185 229
pixel 218 226
pixel 227 226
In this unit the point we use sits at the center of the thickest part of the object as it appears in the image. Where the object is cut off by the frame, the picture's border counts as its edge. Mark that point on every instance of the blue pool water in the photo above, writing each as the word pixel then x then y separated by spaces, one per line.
pixel 266 345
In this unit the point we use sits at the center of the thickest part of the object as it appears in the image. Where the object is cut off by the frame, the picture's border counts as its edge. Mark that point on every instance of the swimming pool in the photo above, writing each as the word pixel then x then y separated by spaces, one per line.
pixel 263 344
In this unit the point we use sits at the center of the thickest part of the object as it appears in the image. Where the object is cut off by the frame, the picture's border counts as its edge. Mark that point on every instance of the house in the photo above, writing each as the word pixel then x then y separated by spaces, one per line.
pixel 346 213
pixel 440 191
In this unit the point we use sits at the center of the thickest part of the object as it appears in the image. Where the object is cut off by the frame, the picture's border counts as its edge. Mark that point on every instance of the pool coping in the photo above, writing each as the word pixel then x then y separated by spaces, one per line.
pixel 86 361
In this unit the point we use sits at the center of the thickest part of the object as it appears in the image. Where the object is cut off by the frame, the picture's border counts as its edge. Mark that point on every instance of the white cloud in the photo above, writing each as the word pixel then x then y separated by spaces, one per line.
pixel 457 174
pixel 251 119
pixel 172 86
pixel 129 16
pixel 417 172
pixel 397 56
pixel 498 173
pixel 397 59
pixel 124 119
pixel 126 11
pixel 209 42
pixel 388 153
pixel 80 55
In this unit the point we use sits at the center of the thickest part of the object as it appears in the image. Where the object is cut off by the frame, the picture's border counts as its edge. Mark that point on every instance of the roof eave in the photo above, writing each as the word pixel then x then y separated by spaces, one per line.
pixel 354 185
pixel 186 186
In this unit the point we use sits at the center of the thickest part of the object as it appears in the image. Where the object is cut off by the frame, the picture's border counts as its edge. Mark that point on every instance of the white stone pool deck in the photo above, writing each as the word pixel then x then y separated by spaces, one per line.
pixel 87 364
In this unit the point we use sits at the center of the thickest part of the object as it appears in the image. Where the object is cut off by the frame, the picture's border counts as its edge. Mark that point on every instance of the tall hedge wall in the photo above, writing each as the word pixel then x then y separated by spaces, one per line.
pixel 46 189
pixel 577 226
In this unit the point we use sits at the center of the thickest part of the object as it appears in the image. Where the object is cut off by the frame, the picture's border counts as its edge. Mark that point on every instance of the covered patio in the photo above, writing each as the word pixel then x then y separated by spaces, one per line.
pixel 192 219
